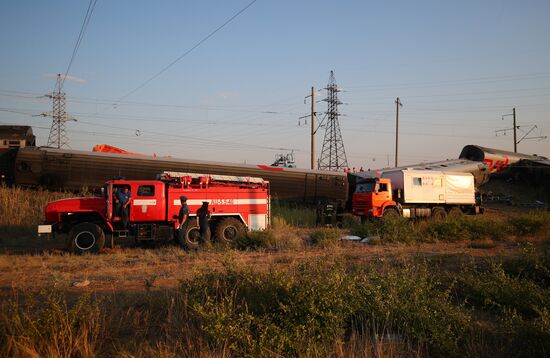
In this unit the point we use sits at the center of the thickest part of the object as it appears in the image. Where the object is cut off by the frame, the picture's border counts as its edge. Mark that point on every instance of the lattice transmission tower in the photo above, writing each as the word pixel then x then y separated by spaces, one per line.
pixel 58 134
pixel 333 154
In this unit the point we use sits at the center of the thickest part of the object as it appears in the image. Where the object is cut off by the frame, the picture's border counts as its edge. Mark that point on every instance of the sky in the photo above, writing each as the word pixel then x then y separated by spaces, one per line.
pixel 458 67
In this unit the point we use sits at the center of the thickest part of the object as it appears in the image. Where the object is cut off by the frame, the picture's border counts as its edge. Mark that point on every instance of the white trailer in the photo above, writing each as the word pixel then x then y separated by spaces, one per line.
pixel 421 193
pixel 433 187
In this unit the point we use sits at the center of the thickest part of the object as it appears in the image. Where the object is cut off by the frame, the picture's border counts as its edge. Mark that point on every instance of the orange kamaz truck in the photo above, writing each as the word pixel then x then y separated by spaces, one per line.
pixel 415 194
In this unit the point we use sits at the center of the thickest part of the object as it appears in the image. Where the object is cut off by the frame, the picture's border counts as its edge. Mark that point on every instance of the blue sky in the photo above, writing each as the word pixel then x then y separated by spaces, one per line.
pixel 457 67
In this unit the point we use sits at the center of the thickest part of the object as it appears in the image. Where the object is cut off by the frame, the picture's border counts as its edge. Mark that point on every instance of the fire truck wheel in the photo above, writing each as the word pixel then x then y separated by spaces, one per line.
pixel 193 236
pixel 439 213
pixel 86 237
pixel 390 213
pixel 229 230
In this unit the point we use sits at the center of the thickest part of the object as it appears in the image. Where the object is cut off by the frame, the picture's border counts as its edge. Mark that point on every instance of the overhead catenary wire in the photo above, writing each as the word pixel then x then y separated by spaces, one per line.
pixel 179 58
pixel 86 21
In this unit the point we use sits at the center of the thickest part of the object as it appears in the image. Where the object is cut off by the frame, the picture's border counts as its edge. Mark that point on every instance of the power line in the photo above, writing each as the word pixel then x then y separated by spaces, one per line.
pixel 83 28
pixel 203 40
pixel 540 75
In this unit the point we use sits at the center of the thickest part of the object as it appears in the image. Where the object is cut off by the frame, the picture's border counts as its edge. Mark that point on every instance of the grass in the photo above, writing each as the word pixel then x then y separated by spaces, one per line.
pixel 293 290
pixel 23 209
pixel 324 306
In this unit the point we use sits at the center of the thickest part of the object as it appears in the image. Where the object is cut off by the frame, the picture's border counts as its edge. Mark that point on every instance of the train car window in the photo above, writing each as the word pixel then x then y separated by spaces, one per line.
pixel 146 190
pixel 417 181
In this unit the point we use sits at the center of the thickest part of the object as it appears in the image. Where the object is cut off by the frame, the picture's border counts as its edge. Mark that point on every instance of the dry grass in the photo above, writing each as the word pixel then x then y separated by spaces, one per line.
pixel 21 210
pixel 132 306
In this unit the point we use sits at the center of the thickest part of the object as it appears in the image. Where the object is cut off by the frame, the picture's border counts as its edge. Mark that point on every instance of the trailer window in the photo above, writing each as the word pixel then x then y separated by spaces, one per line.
pixel 146 190
pixel 417 181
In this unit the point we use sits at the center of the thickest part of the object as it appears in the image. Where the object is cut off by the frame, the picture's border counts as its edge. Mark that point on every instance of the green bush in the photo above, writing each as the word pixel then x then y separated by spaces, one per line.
pixel 465 228
pixel 254 240
pixel 256 313
pixel 496 290
pixel 450 229
pixel 303 310
pixel 410 301
pixel 530 223
pixel 396 229
pixel 326 237
pixel 533 264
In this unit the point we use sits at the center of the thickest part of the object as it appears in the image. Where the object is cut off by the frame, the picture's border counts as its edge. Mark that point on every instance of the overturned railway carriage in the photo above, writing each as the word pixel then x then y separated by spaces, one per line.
pixel 72 170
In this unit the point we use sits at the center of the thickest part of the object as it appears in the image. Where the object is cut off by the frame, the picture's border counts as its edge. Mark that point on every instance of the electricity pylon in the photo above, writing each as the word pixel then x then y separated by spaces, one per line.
pixel 333 154
pixel 58 134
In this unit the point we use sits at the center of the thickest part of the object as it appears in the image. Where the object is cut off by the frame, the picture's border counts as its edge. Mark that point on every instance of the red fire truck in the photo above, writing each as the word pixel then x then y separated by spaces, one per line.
pixel 236 204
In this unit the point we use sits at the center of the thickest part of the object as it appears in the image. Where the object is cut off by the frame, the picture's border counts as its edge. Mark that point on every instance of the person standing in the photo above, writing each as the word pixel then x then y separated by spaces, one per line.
pixel 123 197
pixel 340 215
pixel 203 217
pixel 183 223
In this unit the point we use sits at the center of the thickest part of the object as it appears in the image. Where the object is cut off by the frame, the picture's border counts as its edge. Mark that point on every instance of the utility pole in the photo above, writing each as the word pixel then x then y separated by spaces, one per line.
pixel 397 105
pixel 312 127
pixel 525 131
pixel 312 119
pixel 515 128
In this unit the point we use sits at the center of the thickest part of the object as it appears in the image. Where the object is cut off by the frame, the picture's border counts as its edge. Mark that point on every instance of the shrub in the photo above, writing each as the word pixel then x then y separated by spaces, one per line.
pixel 256 313
pixel 410 301
pixel 450 229
pixel 530 223
pixel 465 228
pixel 496 290
pixel 326 237
pixel 254 240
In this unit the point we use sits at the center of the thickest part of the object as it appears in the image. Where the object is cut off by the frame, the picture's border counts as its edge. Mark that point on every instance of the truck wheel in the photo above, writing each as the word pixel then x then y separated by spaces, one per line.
pixel 193 236
pixel 390 213
pixel 439 213
pixel 86 237
pixel 455 212
pixel 229 230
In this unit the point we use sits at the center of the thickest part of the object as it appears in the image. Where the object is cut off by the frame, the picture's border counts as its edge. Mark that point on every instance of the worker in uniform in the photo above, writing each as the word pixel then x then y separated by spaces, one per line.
pixel 183 223
pixel 340 215
pixel 319 213
pixel 328 211
pixel 123 197
pixel 203 217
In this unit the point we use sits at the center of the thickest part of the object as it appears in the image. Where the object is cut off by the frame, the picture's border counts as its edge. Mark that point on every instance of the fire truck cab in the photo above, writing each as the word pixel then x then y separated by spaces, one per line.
pixel 236 204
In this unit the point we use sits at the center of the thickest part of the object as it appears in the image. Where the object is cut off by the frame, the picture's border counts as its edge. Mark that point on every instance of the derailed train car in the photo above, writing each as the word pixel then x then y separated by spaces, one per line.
pixel 73 170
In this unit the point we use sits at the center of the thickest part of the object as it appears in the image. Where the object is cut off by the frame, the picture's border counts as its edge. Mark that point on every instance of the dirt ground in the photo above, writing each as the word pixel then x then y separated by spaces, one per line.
pixel 135 269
